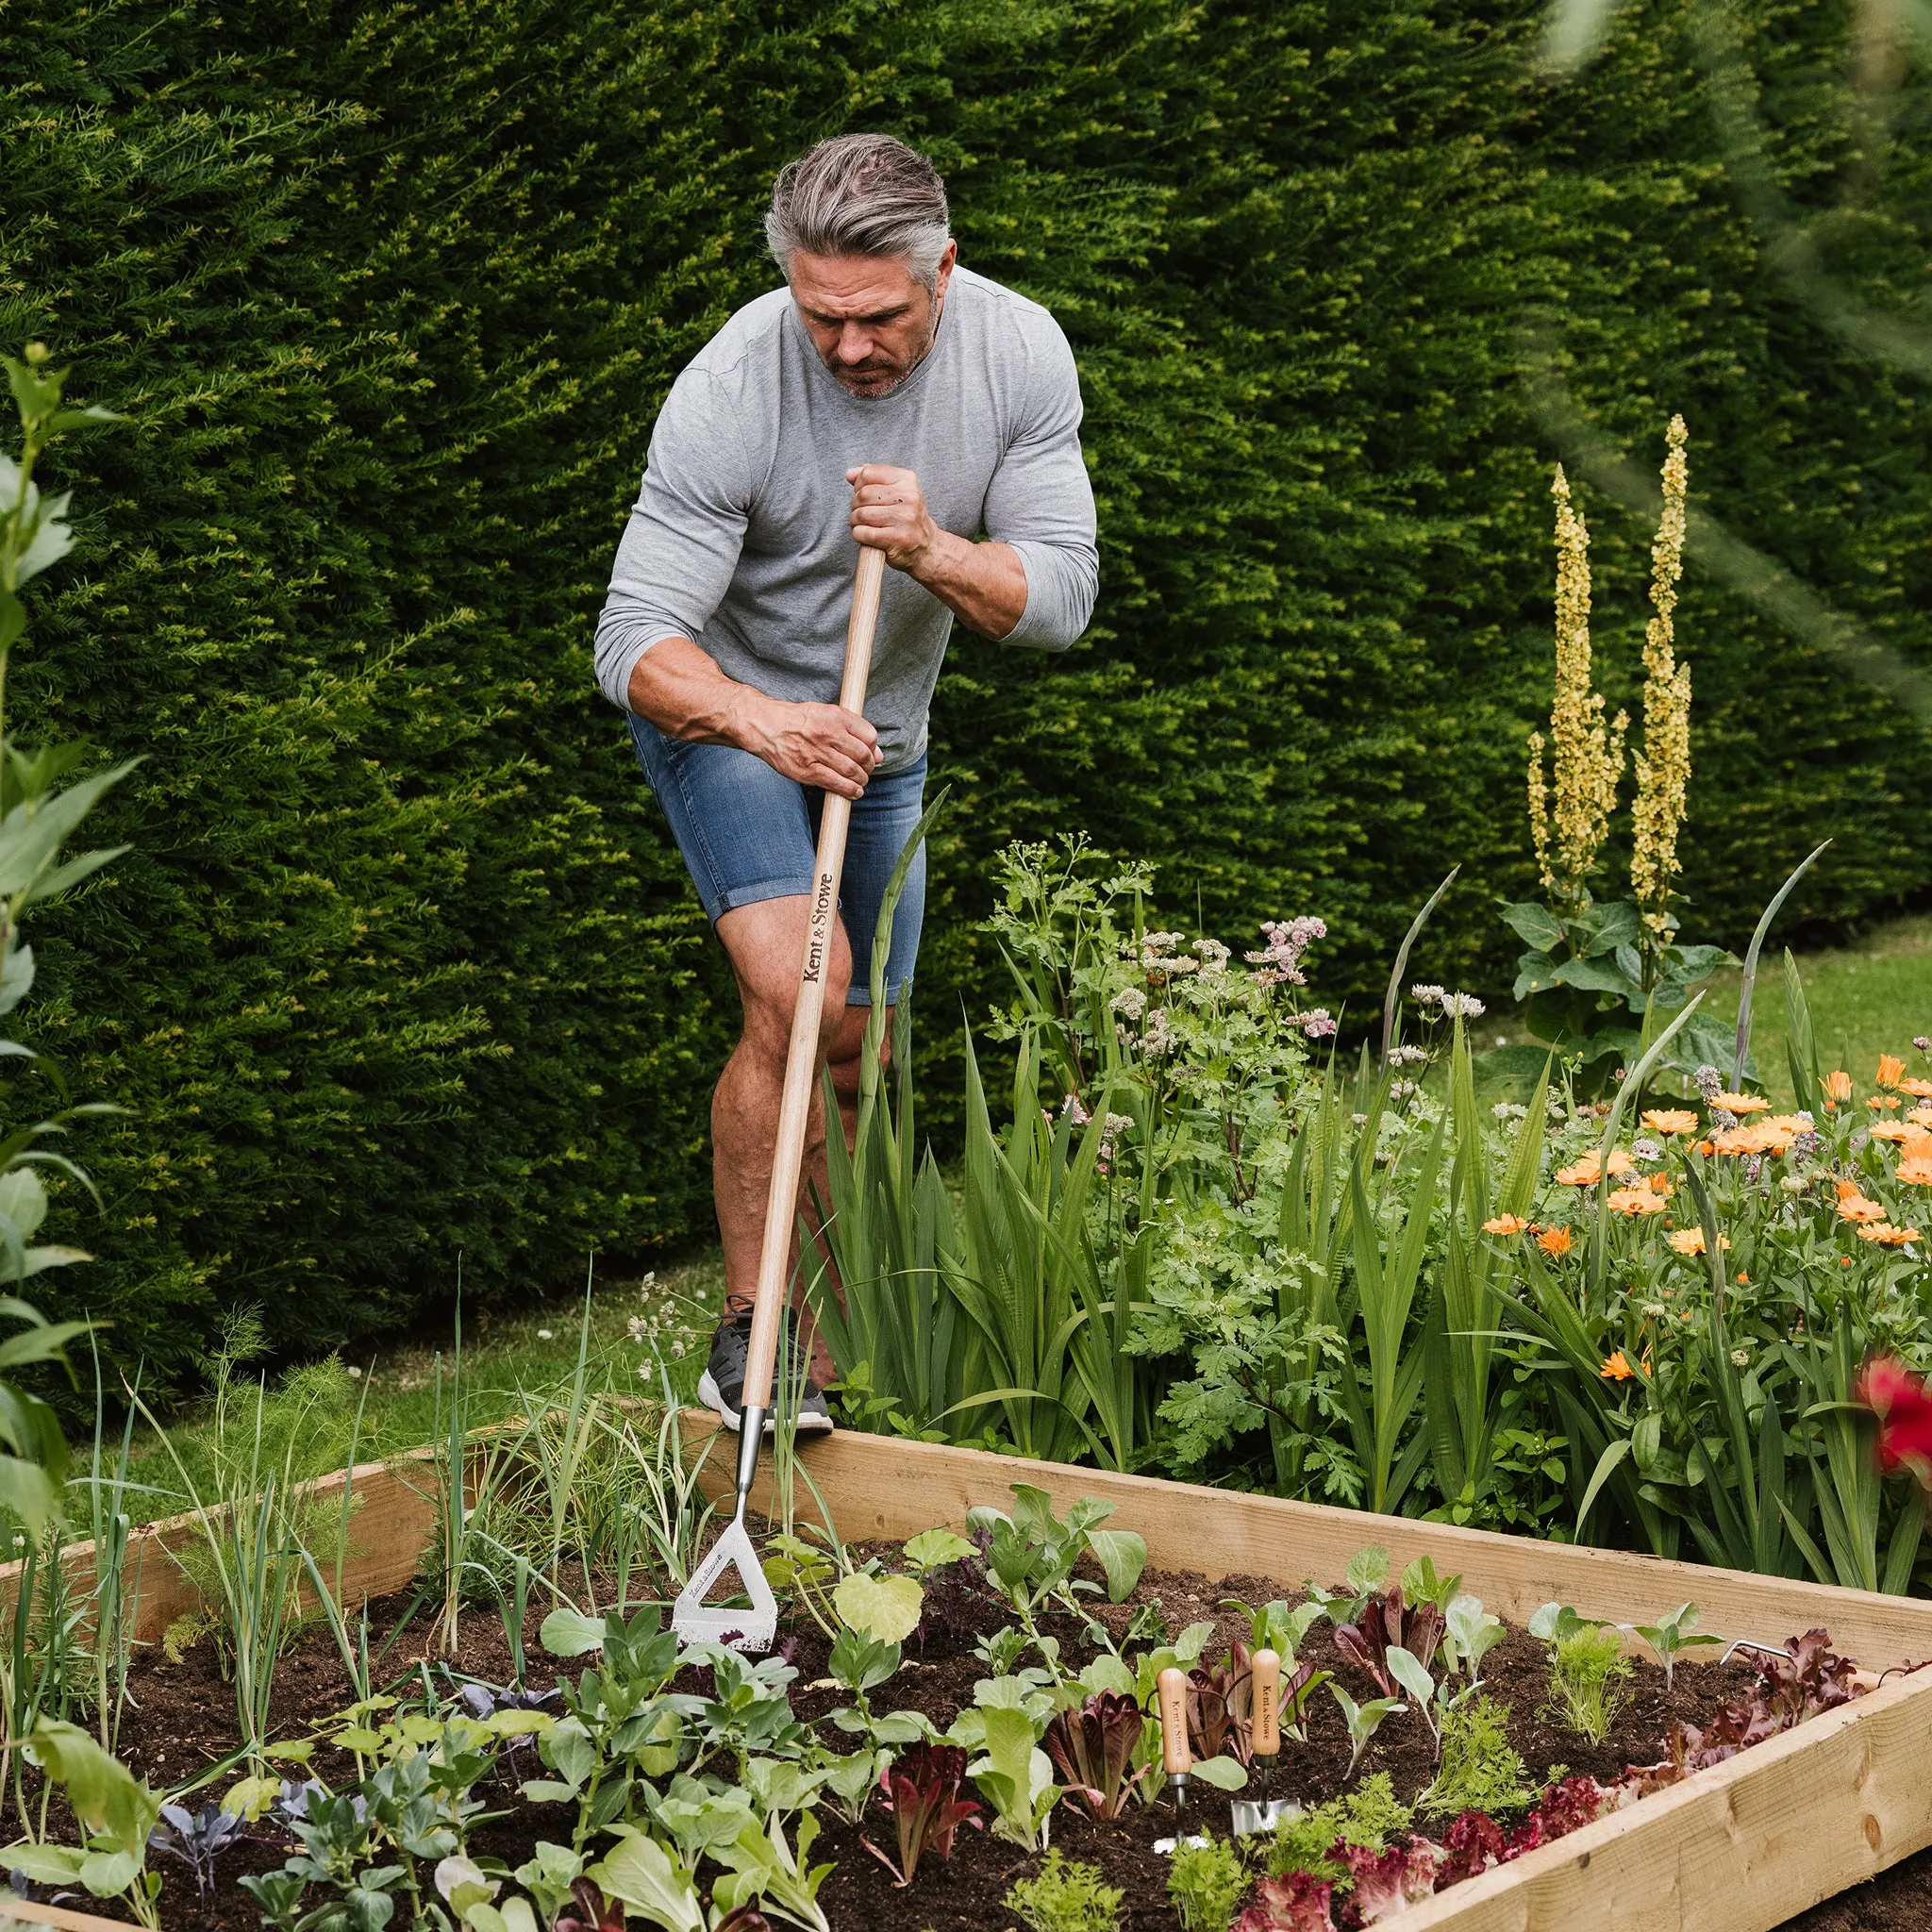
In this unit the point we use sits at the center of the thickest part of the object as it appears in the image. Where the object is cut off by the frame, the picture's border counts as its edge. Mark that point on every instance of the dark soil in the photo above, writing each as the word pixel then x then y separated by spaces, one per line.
pixel 183 1721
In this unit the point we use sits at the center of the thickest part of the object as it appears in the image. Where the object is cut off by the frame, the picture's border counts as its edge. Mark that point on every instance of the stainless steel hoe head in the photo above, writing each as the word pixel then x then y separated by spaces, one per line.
pixel 754 1627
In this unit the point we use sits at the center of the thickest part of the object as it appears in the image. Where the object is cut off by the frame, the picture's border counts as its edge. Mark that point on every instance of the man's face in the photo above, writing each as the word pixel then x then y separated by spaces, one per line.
pixel 871 319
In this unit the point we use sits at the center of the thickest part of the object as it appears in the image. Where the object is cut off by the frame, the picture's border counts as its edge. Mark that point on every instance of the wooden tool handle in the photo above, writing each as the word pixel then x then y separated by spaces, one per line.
pixel 1264 1702
pixel 802 1058
pixel 1171 1688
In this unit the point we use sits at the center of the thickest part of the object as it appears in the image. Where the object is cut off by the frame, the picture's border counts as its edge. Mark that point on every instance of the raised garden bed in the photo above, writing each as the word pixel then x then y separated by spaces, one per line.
pixel 1740 1847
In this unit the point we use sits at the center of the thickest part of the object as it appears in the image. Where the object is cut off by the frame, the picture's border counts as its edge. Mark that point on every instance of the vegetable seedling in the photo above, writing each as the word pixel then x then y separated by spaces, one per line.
pixel 1363 1720
pixel 1670 1637
pixel 1469 1636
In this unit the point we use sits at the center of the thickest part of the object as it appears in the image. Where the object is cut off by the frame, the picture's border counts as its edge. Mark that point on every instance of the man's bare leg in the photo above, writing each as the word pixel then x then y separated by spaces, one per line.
pixel 765 942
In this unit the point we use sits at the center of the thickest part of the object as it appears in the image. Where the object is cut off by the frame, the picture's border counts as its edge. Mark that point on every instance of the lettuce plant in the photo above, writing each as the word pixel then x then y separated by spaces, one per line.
pixel 1013 1774
pixel 1299 1901
pixel 1387 1883
pixel 921 1791
pixel 1370 1815
pixel 1807 1678
pixel 1468 1634
pixel 1092 1747
pixel 1214 1724
pixel 1386 1622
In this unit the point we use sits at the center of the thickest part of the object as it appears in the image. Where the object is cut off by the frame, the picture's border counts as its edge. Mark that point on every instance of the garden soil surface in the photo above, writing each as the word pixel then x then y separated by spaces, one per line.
pixel 182 1721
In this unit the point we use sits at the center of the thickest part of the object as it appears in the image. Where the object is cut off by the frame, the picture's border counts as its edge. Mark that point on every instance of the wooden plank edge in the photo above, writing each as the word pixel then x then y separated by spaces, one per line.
pixel 888 1487
pixel 15 1911
pixel 1740 1847
pixel 389 1532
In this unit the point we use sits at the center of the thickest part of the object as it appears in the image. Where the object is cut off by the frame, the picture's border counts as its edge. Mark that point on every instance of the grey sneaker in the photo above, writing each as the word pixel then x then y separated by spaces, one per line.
pixel 721 1385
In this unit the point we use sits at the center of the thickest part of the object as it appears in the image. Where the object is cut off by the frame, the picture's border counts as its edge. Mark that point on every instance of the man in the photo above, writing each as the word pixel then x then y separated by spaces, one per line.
pixel 884 397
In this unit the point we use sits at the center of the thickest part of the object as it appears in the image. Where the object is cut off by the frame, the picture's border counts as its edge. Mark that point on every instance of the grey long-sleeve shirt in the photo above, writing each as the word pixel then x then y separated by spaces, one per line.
pixel 740 538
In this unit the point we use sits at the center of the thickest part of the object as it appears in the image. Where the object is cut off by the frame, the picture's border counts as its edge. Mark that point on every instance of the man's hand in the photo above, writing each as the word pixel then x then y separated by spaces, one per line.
pixel 889 513
pixel 822 745
pixel 984 584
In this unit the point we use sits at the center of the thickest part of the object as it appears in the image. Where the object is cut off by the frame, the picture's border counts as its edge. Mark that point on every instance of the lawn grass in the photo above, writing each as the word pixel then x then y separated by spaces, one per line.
pixel 384 1395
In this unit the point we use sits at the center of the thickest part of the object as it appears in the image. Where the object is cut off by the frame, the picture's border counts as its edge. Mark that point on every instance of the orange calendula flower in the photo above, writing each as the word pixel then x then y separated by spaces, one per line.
pixel 1887 1235
pixel 1741 1103
pixel 1616 1368
pixel 1706 1148
pixel 1854 1207
pixel 1837 1085
pixel 1506 1224
pixel 1658 1184
pixel 1743 1279
pixel 1637 1200
pixel 1891 1070
pixel 1879 1100
pixel 1791 1123
pixel 1556 1241
pixel 1915 1169
pixel 1755 1136
pixel 1675 1121
pixel 1689 1240
pixel 1900 1131
pixel 1911 1084
pixel 1587 1168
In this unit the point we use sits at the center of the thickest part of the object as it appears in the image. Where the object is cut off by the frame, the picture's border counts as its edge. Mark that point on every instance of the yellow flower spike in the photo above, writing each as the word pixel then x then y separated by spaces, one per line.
pixel 1570 814
pixel 1663 766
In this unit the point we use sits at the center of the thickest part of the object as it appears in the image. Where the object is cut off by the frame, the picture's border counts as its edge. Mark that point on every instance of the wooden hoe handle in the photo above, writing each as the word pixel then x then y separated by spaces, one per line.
pixel 802 1057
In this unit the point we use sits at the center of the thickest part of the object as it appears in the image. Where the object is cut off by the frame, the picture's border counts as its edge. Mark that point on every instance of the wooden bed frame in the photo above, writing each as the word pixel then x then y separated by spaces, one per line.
pixel 1738 1848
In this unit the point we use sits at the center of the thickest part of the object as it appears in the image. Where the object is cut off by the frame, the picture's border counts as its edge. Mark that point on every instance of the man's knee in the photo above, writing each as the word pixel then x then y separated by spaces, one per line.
pixel 766 945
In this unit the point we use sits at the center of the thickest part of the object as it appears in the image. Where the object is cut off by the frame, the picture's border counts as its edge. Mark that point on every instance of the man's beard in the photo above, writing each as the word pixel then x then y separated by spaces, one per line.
pixel 872 381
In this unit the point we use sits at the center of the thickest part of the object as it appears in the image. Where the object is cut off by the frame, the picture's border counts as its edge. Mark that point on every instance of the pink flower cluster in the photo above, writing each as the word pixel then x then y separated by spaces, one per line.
pixel 1280 958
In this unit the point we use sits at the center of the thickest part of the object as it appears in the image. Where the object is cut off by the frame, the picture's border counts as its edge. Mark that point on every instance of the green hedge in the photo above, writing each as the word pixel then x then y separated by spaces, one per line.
pixel 401 969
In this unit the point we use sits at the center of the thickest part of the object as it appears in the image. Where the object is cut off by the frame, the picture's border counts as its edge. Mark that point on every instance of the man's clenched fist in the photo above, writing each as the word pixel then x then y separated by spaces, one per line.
pixel 889 513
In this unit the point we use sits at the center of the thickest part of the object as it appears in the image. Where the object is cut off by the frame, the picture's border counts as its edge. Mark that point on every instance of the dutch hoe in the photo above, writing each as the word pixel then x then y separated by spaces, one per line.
pixel 695 1621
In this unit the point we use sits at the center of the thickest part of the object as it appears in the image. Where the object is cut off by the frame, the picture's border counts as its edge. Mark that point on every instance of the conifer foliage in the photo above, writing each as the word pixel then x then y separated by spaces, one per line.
pixel 400 963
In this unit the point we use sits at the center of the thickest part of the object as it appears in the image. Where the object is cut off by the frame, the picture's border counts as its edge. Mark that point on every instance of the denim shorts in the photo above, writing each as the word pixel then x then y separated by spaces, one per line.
pixel 748 833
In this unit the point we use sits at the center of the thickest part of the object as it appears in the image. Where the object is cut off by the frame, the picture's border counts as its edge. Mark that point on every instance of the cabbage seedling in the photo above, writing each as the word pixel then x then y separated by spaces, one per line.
pixel 1670 1637
pixel 1363 1720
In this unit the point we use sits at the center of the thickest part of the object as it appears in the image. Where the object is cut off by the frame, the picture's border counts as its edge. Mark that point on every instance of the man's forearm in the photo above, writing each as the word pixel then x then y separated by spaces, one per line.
pixel 680 689
pixel 984 585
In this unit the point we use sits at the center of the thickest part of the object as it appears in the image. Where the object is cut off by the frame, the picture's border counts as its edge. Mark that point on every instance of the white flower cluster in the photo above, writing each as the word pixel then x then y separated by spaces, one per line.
pixel 1407 1056
pixel 1452 1006
pixel 661 1329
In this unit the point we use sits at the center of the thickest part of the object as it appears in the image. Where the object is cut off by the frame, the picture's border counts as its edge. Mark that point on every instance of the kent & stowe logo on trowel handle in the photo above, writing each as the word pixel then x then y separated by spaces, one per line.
pixel 754 1628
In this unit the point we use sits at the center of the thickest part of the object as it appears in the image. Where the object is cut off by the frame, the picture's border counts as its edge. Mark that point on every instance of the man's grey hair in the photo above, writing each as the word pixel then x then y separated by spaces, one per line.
pixel 861 195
